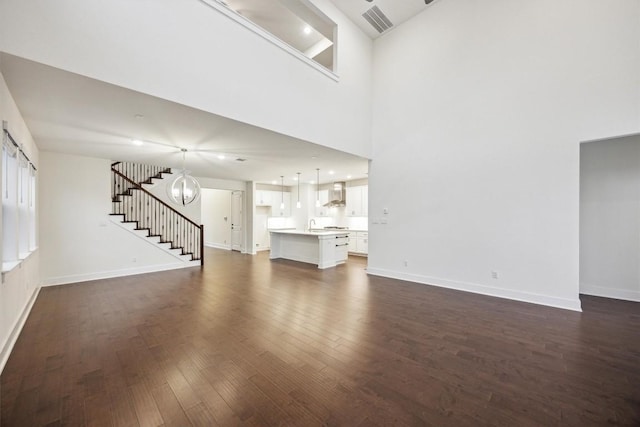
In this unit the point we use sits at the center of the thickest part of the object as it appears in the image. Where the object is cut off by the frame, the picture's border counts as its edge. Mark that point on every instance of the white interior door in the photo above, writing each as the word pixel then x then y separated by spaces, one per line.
pixel 236 221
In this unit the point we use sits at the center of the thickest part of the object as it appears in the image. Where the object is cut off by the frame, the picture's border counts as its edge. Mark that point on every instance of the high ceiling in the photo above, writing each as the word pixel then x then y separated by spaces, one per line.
pixel 74 114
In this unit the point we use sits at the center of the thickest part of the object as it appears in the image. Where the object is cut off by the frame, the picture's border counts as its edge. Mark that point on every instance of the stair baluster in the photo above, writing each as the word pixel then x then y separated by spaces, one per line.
pixel 139 206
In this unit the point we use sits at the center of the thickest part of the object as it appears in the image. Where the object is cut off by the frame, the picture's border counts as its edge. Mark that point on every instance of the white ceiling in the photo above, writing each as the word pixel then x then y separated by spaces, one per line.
pixel 69 113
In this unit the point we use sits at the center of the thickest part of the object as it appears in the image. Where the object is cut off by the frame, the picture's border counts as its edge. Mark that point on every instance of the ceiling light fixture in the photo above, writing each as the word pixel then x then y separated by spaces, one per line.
pixel 307 30
pixel 221 156
pixel 298 205
pixel 137 142
pixel 317 188
pixel 281 192
pixel 184 189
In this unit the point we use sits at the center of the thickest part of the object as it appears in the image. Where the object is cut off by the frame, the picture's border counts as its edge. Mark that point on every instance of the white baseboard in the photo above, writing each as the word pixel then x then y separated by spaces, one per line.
pixel 567 304
pixel 7 347
pixel 217 246
pixel 75 278
pixel 606 292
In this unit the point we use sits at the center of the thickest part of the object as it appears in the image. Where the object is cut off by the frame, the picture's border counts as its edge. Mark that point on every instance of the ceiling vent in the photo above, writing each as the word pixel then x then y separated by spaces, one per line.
pixel 377 19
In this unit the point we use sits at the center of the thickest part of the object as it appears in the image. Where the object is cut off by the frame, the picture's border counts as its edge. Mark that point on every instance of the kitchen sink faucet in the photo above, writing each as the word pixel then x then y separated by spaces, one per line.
pixel 311 221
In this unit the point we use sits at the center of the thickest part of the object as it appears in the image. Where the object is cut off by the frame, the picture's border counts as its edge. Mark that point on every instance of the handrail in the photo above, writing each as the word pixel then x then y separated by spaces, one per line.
pixel 139 187
pixel 150 213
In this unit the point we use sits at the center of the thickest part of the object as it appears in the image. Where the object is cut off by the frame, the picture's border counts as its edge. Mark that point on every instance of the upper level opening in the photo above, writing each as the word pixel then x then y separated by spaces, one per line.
pixel 297 23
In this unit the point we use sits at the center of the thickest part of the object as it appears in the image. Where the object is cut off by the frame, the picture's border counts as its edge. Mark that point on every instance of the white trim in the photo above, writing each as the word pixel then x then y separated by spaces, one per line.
pixel 270 37
pixel 75 278
pixel 606 292
pixel 10 265
pixel 567 304
pixel 7 347
pixel 218 246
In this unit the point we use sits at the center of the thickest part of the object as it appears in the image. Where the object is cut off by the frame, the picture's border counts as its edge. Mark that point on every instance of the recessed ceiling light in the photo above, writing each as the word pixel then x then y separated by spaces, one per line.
pixel 331 172
pixel 348 176
pixel 137 142
pixel 307 30
pixel 312 182
pixel 274 182
pixel 295 178
pixel 221 156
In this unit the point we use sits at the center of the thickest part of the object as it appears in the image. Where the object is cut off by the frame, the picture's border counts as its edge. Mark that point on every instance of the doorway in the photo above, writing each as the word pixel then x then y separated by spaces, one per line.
pixel 236 221
pixel 221 214
pixel 610 218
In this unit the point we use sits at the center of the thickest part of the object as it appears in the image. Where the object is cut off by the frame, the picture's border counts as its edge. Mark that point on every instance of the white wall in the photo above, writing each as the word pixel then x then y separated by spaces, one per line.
pixel 479 108
pixel 610 218
pixel 216 217
pixel 18 287
pixel 187 52
pixel 77 240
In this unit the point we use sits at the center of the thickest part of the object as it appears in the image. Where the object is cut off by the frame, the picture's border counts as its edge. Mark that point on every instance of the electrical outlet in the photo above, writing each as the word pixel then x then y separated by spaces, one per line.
pixel 406 263
pixel 494 274
pixel 134 260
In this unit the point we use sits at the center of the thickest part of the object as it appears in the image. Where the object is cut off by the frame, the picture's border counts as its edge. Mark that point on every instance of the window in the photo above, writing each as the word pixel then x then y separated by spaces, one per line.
pixel 24 223
pixel 302 27
pixel 33 242
pixel 18 203
pixel 9 205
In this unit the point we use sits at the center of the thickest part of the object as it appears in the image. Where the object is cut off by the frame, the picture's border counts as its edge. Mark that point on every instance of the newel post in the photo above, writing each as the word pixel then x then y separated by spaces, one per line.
pixel 202 245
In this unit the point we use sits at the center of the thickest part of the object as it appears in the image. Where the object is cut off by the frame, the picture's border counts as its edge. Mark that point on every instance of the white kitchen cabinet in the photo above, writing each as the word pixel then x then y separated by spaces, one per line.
pixel 362 244
pixel 276 199
pixel 365 200
pixel 359 242
pixel 357 200
pixel 353 241
pixel 273 199
pixel 324 198
pixel 263 197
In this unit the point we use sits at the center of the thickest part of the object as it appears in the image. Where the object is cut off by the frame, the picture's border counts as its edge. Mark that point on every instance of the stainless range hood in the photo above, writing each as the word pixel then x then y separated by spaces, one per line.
pixel 337 195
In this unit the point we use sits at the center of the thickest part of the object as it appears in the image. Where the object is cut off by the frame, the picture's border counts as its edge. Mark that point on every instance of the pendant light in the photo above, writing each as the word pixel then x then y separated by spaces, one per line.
pixel 281 192
pixel 298 205
pixel 184 189
pixel 317 187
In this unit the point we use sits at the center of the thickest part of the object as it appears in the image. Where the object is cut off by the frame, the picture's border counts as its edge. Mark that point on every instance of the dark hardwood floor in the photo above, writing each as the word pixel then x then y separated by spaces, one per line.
pixel 246 341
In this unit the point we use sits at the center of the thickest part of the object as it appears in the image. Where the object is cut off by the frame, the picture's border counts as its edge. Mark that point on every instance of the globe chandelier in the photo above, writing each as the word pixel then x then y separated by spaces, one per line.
pixel 185 189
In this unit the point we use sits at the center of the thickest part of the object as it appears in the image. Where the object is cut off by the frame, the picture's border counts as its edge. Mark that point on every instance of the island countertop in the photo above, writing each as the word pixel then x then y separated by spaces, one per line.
pixel 311 232
pixel 325 248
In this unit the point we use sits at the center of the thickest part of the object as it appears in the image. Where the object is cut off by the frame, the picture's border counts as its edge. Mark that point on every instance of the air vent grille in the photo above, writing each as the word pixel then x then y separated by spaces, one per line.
pixel 377 19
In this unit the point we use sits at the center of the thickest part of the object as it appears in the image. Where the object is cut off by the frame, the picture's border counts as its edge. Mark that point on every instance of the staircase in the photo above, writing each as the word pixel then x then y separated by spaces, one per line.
pixel 152 217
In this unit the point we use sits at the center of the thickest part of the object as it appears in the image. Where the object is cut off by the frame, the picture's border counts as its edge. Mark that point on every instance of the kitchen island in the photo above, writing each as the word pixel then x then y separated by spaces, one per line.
pixel 320 247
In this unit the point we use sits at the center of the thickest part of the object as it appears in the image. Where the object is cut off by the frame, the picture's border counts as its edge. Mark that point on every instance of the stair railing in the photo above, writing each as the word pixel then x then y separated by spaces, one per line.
pixel 152 214
pixel 139 173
